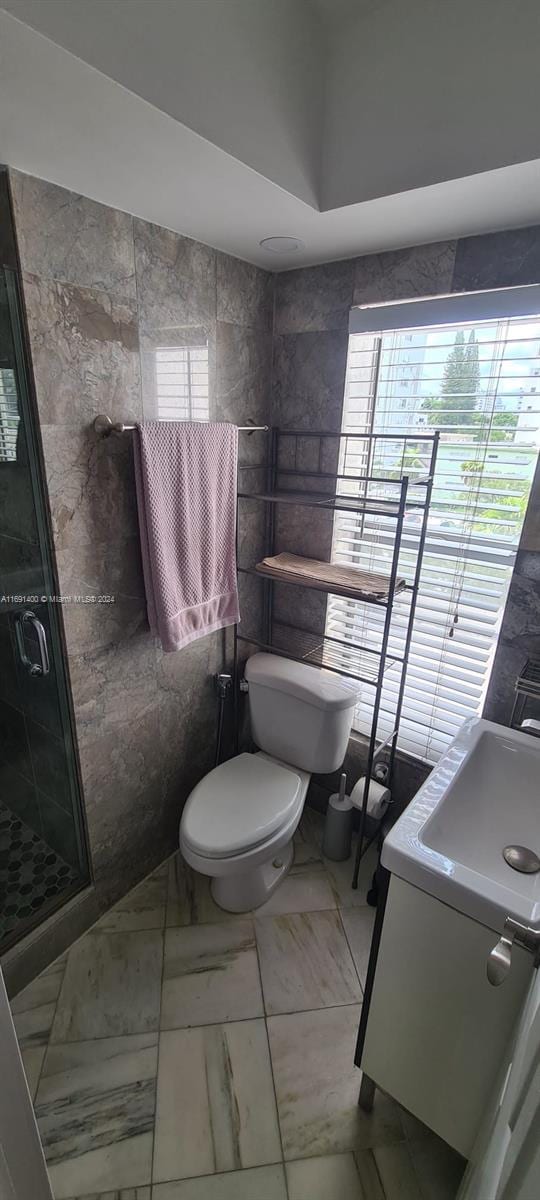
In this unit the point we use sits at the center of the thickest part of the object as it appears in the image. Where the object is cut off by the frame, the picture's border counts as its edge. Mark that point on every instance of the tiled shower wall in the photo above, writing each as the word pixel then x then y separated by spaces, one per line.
pixel 102 290
pixel 310 354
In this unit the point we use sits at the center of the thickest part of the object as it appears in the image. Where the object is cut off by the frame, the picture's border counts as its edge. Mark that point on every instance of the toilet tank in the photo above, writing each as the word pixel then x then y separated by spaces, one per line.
pixel 299 713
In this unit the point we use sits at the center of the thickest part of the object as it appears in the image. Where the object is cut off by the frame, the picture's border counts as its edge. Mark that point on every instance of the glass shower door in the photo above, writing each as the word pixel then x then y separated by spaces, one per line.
pixel 43 856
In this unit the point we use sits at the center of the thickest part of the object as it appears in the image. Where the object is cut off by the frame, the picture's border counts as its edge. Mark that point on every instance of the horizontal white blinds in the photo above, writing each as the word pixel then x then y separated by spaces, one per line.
pixel 9 416
pixel 479 384
pixel 181 383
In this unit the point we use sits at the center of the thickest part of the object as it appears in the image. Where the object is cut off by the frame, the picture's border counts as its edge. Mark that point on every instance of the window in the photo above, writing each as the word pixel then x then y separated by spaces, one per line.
pixel 475 381
pixel 9 416
pixel 182 383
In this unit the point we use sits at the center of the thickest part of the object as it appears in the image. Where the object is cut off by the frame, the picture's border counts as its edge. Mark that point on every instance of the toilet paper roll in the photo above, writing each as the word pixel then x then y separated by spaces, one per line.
pixel 378 797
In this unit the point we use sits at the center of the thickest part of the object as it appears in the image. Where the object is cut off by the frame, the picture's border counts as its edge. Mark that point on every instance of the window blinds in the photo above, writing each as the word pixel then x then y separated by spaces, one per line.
pixel 9 416
pixel 478 383
pixel 182 383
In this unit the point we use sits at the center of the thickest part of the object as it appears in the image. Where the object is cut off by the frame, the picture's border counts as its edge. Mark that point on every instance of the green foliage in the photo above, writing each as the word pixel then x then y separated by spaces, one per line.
pixel 457 402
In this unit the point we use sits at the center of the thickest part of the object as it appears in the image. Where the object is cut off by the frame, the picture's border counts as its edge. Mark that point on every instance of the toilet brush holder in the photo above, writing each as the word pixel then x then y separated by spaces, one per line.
pixel 338 825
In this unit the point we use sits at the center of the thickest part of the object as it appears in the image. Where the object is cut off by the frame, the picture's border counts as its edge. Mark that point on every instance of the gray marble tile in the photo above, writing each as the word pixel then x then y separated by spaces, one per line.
pixel 226 1119
pixel 308 892
pixel 244 293
pixel 402 274
pixel 176 281
pixel 314 298
pixel 32 1063
pixel 103 569
pixel 34 1008
pixel 189 901
pixel 358 924
pixel 117 712
pixel 251 535
pixel 210 974
pixel 327 1177
pixel 63 235
pixel 519 638
pixel 95 1110
pixel 244 360
pixel 309 379
pixel 187 723
pixel 135 1193
pixel 111 987
pixel 317 1086
pixel 439 1169
pixel 397 1173
pixel 494 260
pixel 142 908
pixel 257 1183
pixel 91 486
pixel 530 535
pixel 305 962
pixel 85 352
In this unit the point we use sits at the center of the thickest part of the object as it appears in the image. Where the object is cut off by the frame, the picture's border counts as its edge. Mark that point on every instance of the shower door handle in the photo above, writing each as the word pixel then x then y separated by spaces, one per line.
pixel 42 666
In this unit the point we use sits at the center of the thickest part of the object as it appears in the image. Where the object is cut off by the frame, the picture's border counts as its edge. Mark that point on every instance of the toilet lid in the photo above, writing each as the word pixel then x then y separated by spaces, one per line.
pixel 238 805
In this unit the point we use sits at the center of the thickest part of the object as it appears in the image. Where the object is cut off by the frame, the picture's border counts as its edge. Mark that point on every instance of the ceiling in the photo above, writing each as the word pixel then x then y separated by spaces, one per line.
pixel 342 123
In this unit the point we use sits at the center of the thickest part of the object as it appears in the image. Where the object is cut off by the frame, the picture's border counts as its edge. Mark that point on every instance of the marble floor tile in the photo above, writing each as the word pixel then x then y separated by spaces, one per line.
pixel 340 875
pixel 305 962
pixel 189 901
pixel 438 1168
pixel 397 1173
pixel 317 1086
pixel 111 986
pixel 329 1176
pixel 210 974
pixel 34 1008
pixel 308 841
pixel 215 1106
pixel 95 1110
pixel 358 924
pixel 306 892
pixel 258 1183
pixel 142 908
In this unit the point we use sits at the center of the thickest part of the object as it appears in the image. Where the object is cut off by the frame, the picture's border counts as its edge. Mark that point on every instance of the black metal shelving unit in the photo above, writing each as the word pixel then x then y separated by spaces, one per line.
pixel 324 490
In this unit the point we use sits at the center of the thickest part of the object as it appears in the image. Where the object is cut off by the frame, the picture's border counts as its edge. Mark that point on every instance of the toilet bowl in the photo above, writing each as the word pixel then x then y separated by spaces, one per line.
pixel 239 821
pixel 238 826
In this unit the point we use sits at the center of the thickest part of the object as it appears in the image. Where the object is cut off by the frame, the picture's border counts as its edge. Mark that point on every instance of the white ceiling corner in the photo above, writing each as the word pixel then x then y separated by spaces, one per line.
pixel 221 131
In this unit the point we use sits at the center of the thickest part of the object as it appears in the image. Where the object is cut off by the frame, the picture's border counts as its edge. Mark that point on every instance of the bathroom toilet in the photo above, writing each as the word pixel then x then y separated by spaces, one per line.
pixel 239 821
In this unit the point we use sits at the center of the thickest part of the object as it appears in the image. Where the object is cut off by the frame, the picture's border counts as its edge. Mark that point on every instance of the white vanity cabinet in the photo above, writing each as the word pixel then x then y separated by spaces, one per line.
pixel 437 1030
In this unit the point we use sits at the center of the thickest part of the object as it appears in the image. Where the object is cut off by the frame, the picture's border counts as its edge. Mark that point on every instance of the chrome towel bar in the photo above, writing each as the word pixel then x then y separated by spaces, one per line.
pixel 104 426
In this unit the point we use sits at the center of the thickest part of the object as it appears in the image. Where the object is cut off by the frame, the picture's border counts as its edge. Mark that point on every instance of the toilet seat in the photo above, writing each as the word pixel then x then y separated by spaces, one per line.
pixel 240 805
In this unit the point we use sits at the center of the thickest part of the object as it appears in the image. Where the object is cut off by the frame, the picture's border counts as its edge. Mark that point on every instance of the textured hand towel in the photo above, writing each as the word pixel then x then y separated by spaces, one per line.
pixel 185 475
pixel 329 577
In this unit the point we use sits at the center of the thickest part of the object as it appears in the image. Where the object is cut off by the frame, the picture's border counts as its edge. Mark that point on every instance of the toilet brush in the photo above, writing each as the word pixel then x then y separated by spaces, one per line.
pixel 338 824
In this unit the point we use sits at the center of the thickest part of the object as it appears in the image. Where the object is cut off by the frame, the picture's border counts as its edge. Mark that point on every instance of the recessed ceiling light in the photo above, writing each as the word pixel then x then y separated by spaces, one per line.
pixel 281 245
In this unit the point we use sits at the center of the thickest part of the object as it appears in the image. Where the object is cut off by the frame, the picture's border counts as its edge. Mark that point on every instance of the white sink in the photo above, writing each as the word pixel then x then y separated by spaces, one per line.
pixel 483 795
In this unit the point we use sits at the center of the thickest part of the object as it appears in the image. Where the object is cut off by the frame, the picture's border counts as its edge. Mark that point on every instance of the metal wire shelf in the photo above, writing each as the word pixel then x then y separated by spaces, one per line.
pixel 375 506
pixel 357 662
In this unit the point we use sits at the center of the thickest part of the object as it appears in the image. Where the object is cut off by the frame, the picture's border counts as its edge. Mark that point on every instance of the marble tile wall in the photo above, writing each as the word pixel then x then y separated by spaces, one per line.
pixel 102 291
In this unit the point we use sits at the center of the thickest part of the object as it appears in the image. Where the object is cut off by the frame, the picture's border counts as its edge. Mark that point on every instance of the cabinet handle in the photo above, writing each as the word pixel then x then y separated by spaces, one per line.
pixel 42 666
pixel 500 958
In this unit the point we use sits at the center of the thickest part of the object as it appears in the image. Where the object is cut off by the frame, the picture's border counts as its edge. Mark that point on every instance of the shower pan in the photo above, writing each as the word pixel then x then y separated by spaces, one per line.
pixel 43 852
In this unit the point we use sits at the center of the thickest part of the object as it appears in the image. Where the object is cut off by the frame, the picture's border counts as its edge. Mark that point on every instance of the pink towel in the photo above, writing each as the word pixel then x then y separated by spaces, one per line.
pixel 186 497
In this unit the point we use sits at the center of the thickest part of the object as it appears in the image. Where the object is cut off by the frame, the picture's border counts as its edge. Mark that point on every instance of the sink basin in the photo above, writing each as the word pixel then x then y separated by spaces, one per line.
pixel 483 795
